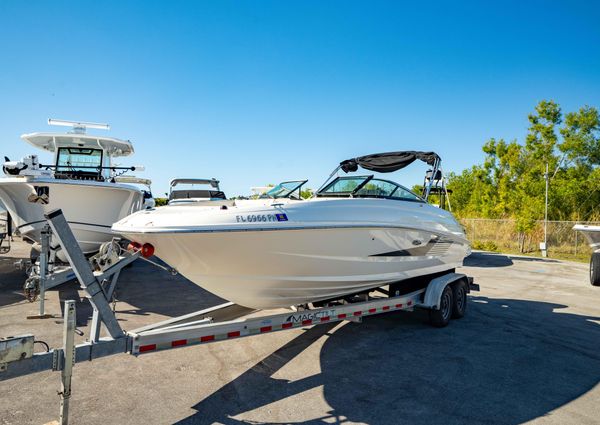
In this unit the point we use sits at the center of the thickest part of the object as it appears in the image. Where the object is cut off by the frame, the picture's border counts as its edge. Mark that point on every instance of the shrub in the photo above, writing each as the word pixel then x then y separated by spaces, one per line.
pixel 485 246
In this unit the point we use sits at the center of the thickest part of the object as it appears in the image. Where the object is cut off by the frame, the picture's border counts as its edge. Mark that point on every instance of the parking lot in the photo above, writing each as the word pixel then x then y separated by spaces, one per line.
pixel 528 350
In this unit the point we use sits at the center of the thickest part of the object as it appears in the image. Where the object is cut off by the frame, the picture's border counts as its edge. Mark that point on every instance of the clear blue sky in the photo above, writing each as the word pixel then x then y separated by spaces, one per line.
pixel 258 92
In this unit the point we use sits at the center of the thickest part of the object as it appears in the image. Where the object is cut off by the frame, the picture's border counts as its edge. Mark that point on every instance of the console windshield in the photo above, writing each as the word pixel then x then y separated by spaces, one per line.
pixel 79 159
pixel 367 187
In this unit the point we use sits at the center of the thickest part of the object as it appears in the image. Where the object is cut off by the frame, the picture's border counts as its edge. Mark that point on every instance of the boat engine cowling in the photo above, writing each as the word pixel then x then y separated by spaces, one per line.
pixel 28 166
pixel 12 168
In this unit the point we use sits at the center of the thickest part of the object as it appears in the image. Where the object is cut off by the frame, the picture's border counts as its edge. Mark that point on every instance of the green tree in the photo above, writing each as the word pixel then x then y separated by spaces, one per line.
pixel 510 181
pixel 306 193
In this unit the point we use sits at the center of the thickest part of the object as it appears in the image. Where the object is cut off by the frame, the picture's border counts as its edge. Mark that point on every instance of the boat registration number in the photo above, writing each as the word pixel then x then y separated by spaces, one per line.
pixel 255 218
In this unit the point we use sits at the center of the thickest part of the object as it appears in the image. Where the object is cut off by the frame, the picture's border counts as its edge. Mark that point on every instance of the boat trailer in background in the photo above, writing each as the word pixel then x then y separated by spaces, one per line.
pixel 46 271
pixel 445 297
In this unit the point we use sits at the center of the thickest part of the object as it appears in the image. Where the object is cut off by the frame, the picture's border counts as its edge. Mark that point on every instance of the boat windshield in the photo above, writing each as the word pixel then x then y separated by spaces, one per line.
pixel 367 187
pixel 345 185
pixel 79 159
pixel 285 190
pixel 193 192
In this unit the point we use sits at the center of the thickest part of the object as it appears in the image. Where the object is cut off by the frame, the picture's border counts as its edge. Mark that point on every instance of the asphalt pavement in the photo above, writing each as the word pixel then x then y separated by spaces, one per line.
pixel 527 350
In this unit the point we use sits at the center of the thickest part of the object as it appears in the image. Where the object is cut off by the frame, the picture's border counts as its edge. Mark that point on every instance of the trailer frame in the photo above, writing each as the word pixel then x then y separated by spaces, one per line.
pixel 43 274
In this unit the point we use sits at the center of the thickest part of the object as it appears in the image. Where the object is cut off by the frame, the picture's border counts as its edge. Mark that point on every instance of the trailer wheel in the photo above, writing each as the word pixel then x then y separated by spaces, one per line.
pixel 459 291
pixel 441 317
pixel 595 269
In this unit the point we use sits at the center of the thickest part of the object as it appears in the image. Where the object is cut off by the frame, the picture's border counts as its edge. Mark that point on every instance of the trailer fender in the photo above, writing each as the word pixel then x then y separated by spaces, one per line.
pixel 433 293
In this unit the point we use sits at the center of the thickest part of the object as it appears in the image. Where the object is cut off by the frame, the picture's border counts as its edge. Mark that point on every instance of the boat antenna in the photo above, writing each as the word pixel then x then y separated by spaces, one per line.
pixel 79 127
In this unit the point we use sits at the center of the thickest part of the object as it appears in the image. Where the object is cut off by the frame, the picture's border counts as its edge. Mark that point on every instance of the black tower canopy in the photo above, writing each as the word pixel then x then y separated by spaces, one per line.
pixel 388 162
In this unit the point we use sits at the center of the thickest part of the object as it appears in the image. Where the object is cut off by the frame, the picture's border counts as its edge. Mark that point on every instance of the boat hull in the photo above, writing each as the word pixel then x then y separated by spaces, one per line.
pixel 282 268
pixel 290 253
pixel 89 207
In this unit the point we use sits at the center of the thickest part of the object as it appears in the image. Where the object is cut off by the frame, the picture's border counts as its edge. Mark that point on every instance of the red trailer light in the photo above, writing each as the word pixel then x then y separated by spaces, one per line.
pixel 147 250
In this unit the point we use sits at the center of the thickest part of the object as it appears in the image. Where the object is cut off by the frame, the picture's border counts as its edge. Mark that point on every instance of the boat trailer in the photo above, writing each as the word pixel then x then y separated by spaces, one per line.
pixel 46 272
pixel 223 322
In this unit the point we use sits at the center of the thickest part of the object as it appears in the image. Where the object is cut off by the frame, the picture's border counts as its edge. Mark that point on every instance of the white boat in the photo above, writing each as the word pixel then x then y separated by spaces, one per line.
pixel 591 233
pixel 357 233
pixel 82 181
pixel 185 191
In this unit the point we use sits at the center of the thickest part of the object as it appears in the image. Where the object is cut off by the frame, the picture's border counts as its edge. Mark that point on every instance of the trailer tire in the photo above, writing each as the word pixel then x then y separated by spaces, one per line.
pixel 441 317
pixel 595 269
pixel 459 292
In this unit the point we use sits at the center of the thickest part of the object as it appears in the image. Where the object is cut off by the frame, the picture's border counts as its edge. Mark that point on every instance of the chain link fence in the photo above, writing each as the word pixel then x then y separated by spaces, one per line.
pixel 501 235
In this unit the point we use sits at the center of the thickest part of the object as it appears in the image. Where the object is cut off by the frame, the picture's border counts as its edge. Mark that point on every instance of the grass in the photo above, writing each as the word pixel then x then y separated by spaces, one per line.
pixel 580 257
pixel 501 236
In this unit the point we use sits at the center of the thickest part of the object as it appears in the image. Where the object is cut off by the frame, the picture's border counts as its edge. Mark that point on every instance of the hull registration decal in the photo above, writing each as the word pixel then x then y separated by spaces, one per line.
pixel 262 218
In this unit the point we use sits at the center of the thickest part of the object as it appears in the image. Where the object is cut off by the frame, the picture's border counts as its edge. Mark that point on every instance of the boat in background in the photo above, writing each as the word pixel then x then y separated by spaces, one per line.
pixel 592 234
pixel 82 181
pixel 192 192
pixel 143 184
pixel 357 233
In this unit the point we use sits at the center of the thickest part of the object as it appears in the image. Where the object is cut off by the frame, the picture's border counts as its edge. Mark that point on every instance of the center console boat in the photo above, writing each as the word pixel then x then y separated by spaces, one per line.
pixel 82 181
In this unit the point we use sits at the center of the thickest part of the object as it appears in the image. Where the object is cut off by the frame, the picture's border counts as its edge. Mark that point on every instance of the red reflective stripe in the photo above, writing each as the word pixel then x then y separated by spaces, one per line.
pixel 386 307
pixel 325 319
pixel 287 325
pixel 266 329
pixel 341 316
pixel 233 334
pixel 398 305
pixel 372 310
pixel 207 338
pixel 179 342
pixel 357 313
pixel 306 322
pixel 149 347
